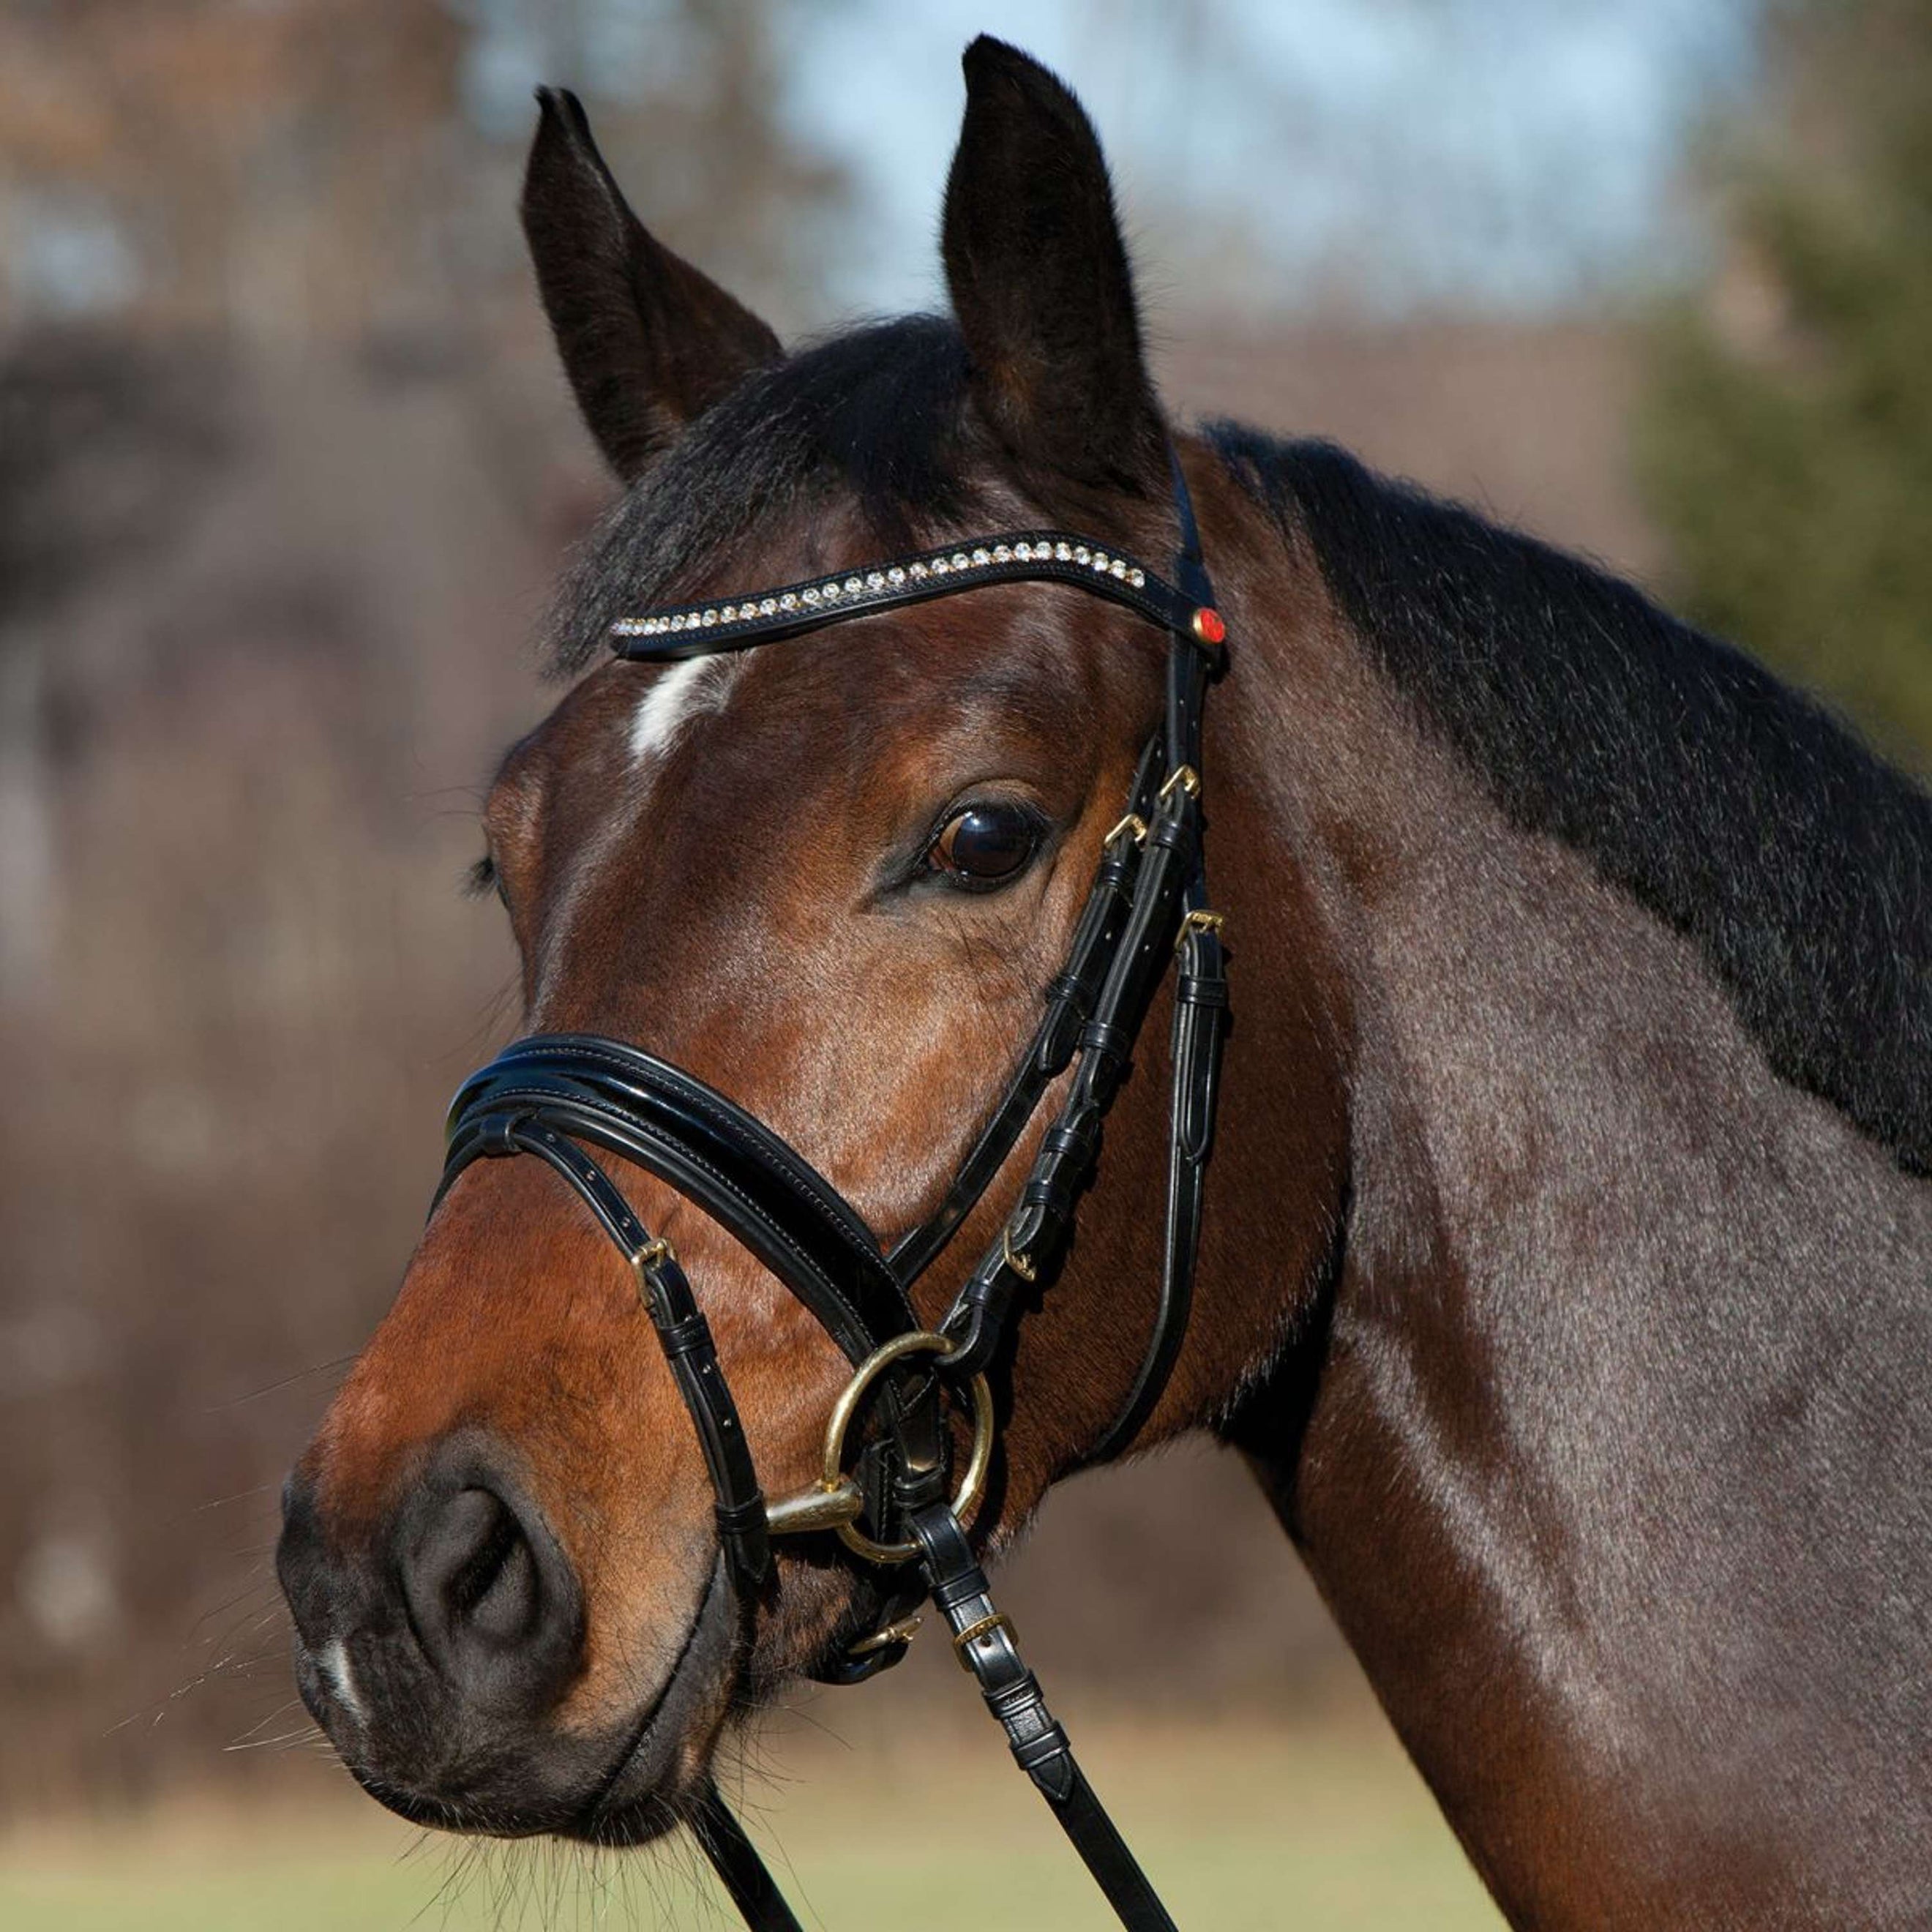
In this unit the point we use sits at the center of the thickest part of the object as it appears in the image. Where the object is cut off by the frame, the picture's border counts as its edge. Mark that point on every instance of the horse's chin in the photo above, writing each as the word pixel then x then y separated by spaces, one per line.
pixel 669 1754
pixel 652 1786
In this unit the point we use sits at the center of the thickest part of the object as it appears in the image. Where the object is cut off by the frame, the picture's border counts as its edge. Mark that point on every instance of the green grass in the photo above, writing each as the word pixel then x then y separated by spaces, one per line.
pixel 1321 1825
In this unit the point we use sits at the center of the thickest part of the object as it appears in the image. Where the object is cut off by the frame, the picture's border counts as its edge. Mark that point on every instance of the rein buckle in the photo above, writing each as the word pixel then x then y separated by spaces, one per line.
pixel 983 1627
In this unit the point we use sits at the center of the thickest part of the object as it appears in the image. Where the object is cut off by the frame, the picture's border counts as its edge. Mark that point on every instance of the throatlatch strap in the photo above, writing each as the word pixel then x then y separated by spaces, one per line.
pixel 1200 1024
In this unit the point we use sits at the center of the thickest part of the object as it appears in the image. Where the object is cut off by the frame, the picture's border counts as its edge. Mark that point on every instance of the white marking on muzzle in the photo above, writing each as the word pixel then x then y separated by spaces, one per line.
pixel 682 692
pixel 332 1661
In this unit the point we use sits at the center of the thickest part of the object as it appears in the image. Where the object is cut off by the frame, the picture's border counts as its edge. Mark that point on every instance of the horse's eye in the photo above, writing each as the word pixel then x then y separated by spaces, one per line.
pixel 985 845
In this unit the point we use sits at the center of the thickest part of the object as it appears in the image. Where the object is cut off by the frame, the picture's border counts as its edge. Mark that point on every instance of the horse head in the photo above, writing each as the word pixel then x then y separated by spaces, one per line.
pixel 829 879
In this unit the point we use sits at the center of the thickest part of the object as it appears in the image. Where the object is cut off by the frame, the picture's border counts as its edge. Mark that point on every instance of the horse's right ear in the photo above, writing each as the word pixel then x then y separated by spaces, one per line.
pixel 647 341
pixel 1040 281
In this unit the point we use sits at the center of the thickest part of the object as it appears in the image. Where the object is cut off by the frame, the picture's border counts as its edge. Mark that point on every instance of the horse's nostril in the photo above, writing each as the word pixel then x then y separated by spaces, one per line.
pixel 476 1555
pixel 492 1600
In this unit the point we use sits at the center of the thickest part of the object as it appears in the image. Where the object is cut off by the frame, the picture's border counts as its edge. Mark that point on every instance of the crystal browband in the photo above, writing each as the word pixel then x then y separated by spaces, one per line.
pixel 730 624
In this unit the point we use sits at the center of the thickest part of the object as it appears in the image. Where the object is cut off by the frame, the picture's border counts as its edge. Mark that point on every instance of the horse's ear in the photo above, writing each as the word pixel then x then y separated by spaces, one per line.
pixel 1039 279
pixel 647 341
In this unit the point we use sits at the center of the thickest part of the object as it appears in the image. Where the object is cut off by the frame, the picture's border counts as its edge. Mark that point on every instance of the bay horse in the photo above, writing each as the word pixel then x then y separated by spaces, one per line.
pixel 1567 1276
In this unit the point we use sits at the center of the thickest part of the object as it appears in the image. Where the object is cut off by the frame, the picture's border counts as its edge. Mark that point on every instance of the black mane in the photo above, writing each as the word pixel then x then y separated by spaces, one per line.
pixel 878 412
pixel 1739 811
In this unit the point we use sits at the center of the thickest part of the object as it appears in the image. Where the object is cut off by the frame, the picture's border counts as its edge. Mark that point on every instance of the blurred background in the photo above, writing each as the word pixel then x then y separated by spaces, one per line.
pixel 286 469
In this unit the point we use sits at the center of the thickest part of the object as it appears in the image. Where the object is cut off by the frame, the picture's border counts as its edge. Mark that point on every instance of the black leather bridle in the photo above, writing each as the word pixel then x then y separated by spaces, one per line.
pixel 553 1095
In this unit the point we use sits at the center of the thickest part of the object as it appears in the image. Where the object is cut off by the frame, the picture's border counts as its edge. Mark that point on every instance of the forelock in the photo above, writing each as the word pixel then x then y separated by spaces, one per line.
pixel 872 422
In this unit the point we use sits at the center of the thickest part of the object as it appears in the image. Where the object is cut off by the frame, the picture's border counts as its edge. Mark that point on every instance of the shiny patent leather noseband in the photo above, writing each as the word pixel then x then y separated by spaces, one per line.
pixel 554 1096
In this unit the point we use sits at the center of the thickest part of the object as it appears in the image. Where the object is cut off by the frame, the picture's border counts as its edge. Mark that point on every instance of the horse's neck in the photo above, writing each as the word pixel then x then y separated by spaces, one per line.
pixel 1614 1464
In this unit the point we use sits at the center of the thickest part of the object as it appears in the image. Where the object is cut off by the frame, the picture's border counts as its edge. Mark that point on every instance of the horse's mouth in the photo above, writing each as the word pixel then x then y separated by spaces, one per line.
pixel 548 1783
pixel 667 1751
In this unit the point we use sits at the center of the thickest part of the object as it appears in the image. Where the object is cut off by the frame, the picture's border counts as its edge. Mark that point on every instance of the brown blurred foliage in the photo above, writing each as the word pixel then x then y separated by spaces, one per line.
pixel 272 167
pixel 313 169
pixel 274 528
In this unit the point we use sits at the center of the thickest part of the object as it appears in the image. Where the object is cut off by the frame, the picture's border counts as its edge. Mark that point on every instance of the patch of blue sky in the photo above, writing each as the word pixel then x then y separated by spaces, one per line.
pixel 1474 155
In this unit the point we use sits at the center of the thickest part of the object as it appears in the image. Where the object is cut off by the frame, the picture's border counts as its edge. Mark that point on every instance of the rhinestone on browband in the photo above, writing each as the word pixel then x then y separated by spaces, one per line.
pixel 1046 555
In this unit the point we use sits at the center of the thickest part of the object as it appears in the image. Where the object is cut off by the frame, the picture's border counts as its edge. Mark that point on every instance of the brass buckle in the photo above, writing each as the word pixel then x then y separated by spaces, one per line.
pixel 1019 1263
pixel 1133 822
pixel 1200 921
pixel 985 1626
pixel 832 1502
pixel 652 1254
pixel 1186 778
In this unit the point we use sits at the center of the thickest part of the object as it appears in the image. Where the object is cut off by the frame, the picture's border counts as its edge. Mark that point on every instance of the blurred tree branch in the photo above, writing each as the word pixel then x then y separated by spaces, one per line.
pixel 319 169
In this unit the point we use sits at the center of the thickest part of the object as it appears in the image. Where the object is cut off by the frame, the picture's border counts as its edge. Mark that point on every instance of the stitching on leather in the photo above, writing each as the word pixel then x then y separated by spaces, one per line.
pixel 554 1104
pixel 790 1164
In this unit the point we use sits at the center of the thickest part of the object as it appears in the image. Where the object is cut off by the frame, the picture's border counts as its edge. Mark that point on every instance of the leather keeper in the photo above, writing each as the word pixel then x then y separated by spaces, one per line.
pixel 1047 1760
pixel 690 1337
pixel 496 1133
pixel 1110 1041
pixel 1200 1020
pixel 743 1531
pixel 1073 1139
pixel 1174 829
pixel 1071 1002
pixel 1198 989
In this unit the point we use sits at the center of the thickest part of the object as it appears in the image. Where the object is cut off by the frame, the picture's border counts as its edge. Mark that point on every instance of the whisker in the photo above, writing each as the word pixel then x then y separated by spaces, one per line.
pixel 341 1362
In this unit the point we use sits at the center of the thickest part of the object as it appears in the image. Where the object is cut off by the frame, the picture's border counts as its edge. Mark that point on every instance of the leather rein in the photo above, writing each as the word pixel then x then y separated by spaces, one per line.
pixel 554 1096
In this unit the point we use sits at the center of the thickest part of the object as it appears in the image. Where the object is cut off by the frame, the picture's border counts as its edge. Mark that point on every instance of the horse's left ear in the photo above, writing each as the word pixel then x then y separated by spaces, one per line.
pixel 1040 282
pixel 647 341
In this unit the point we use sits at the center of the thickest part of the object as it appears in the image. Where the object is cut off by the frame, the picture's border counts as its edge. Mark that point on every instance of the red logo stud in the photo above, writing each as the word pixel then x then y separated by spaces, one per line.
pixel 1208 626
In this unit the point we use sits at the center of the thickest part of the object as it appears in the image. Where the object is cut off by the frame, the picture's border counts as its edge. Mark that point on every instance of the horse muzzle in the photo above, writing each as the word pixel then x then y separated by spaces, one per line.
pixel 436 1647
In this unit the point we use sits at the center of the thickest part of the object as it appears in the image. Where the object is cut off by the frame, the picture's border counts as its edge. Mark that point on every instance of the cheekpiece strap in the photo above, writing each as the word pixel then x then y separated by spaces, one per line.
pixel 1049 556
